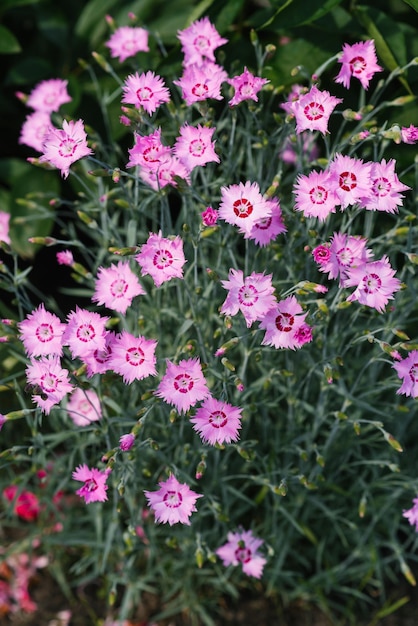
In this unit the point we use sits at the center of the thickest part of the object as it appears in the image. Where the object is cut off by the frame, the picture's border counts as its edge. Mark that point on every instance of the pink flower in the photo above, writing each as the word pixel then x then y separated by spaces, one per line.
pixel 209 216
pixel 199 41
pixel 65 257
pixel 173 502
pixel 242 549
pixel 407 370
pixel 41 333
pixel 52 381
pixel 183 385
pixel 412 514
pixel 350 179
pixel 116 287
pixel 165 173
pixel 146 91
pixel 243 205
pixel 126 442
pixel 321 254
pixel 126 41
pixel 385 188
pixel 34 130
pixel 3 420
pixel 200 82
pixel 95 487
pixel 375 283
pixel 84 407
pixel 252 295
pixel 194 146
pixel 49 95
pixel 148 150
pixel 246 87
pixel 132 357
pixel 344 252
pixel 4 227
pixel 217 421
pixel 409 134
pixel 285 325
pixel 25 504
pixel 358 60
pixel 312 110
pixel 85 332
pixel 98 361
pixel 314 195
pixel 266 229
pixel 161 258
pixel 63 147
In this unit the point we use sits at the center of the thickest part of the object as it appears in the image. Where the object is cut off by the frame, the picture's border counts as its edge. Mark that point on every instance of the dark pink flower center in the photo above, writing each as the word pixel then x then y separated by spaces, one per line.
pixel 101 356
pixel 85 333
pixel 218 419
pixel 318 195
pixel 118 288
pixel 247 295
pixel 321 254
pixel 135 356
pixel 90 485
pixel 201 43
pixel 347 181
pixel 67 148
pixel 243 207
pixel 381 187
pixel 183 383
pixel 243 555
pixel 200 90
pixel 246 89
pixel 173 499
pixel 357 65
pixel 197 148
pixel 144 94
pixel 264 224
pixel 284 322
pixel 345 256
pixel 371 283
pixel 413 373
pixel 314 111
pixel 49 382
pixel 44 333
pixel 162 259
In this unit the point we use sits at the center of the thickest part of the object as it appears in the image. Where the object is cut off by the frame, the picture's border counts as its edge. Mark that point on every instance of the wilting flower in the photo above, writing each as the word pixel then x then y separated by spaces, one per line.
pixel 173 502
pixel 95 487
pixel 407 370
pixel 183 385
pixel 242 549
pixel 25 503
pixel 62 147
pixel 209 216
pixel 126 41
pixel 360 61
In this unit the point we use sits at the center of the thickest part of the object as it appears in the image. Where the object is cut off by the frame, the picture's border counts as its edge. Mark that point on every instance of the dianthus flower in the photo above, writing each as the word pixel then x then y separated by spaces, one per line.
pixel 49 95
pixel 409 134
pixel 412 514
pixel 84 407
pixel 243 206
pixel 34 130
pixel 98 361
pixel 116 286
pixel 201 82
pixel 246 87
pixel 242 549
pixel 4 227
pixel 161 258
pixel 132 357
pixel 199 41
pixel 266 229
pixel 385 188
pixel 41 333
pixel 95 487
pixel 126 41
pixel 62 147
pixel 147 91
pixel 160 175
pixel 358 60
pixel 25 503
pixel 375 283
pixel 407 370
pixel 252 295
pixel 126 442
pixel 350 179
pixel 183 385
pixel 295 93
pixel 312 110
pixel 209 216
pixel 314 195
pixel 343 252
pixel 148 150
pixel 65 257
pixel 194 146
pixel 85 332
pixel 285 325
pixel 217 421
pixel 173 502
pixel 50 381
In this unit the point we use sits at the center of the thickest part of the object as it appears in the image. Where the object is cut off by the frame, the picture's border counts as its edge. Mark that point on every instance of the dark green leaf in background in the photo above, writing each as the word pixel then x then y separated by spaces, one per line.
pixel 8 42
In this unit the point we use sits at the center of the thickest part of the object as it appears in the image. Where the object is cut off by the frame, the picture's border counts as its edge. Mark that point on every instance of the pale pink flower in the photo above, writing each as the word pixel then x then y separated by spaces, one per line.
pixel 84 407
pixel 173 502
pixel 34 130
pixel 312 110
pixel 147 91
pixel 148 150
pixel 199 41
pixel 4 227
pixel 126 442
pixel 375 283
pixel 246 87
pixel 65 257
pixel 252 295
pixel 50 381
pixel 409 134
pixel 350 179
pixel 183 385
pixel 283 325
pixel 41 333
pixel 407 370
pixel 344 252
pixel 194 146
pixel 217 421
pixel 358 60
pixel 85 332
pixel 116 286
pixel 314 195
pixel 95 487
pixel 162 258
pixel 49 95
pixel 266 229
pixel 243 205
pixel 209 216
pixel 201 82
pixel 242 549
pixel 165 173
pixel 126 41
pixel 412 514
pixel 62 147
pixel 98 361
pixel 385 188
pixel 132 357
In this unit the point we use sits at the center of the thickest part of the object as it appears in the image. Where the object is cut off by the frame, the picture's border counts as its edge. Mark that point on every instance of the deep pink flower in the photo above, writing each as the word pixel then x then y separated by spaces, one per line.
pixel 201 82
pixel 312 110
pixel 49 95
pixel 407 370
pixel 25 504
pixel 126 41
pixel 199 41
pixel 321 254
pixel 283 325
pixel 243 205
pixel 246 87
pixel 314 195
pixel 217 421
pixel 375 283
pixel 242 549
pixel 84 407
pixel 412 514
pixel 50 381
pixel 209 216
pixel 161 258
pixel 145 90
pixel 194 146
pixel 350 179
pixel 183 385
pixel 116 286
pixel 409 134
pixel 266 229
pixel 385 188
pixel 344 252
pixel 132 357
pixel 41 333
pixel 358 60
pixel 173 502
pixel 65 257
pixel 85 332
pixel 252 295
pixel 148 150
pixel 165 173
pixel 63 147
pixel 34 130
pixel 126 442
pixel 95 487
pixel 4 227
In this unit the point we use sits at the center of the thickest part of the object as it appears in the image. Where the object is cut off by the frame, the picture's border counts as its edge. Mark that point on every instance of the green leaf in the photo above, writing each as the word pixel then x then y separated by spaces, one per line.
pixel 8 42
pixel 199 10
pixel 413 4
pixel 296 12
pixel 93 13
pixel 12 4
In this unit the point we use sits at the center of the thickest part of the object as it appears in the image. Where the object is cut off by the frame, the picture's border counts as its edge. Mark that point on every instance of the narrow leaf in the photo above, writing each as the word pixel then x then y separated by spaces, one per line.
pixel 8 42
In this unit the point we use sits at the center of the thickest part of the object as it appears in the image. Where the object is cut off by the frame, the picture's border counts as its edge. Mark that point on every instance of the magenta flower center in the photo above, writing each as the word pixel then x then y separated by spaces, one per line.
pixel 314 111
pixel 243 207
pixel 90 485
pixel 135 356
pixel 371 283
pixel 151 154
pixel 144 94
pixel 183 383
pixel 413 373
pixel 197 147
pixel 357 65
pixel 347 181
pixel 264 224
pixel 118 288
pixel 218 419
pixel 322 255
pixel 345 256
pixel 67 147
pixel 284 322
pixel 44 333
pixel 201 43
pixel 101 356
pixel 173 499
pixel 200 90
pixel 162 259
pixel 247 295
pixel 318 195
pixel 246 89
pixel 85 333
pixel 243 555
pixel 49 382
pixel 381 187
